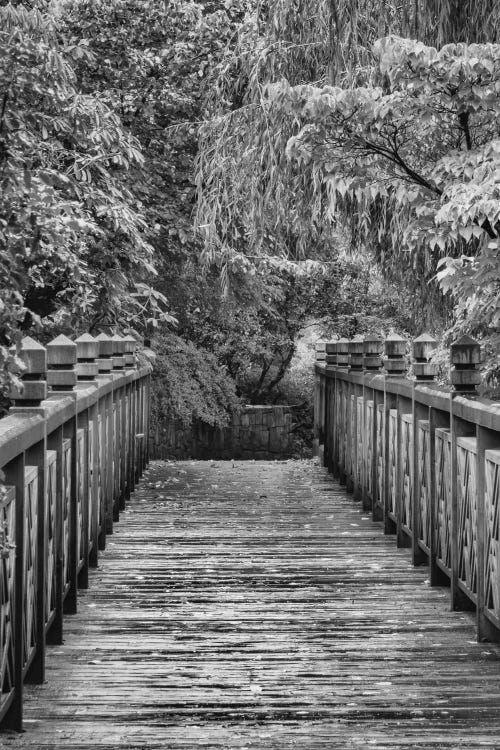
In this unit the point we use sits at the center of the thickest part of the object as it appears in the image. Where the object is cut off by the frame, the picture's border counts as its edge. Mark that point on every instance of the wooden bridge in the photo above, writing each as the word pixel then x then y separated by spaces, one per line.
pixel 248 604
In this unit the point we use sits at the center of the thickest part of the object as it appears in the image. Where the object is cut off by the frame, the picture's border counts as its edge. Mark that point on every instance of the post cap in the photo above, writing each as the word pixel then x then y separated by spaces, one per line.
pixel 118 344
pixel 423 346
pixel 87 347
pixel 465 351
pixel 395 346
pixel 105 345
pixel 61 351
pixel 34 356
pixel 343 345
pixel 130 344
pixel 372 344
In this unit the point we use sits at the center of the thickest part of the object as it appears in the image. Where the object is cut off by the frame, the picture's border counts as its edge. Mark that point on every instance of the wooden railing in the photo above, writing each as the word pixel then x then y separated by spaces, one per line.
pixel 71 450
pixel 424 459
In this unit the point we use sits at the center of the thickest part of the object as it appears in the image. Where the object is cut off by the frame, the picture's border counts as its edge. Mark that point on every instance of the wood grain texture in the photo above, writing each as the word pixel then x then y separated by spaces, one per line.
pixel 254 605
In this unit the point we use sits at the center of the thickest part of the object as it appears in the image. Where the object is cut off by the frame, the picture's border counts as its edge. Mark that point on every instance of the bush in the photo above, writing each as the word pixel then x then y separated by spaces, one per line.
pixel 188 384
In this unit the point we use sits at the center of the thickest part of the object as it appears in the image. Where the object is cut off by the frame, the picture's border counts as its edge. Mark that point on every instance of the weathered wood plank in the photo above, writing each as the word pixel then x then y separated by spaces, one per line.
pixel 254 605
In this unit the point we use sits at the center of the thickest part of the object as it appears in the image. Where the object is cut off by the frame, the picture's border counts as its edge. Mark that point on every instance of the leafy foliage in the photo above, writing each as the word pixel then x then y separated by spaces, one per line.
pixel 72 234
pixel 396 140
pixel 425 148
pixel 189 384
pixel 150 65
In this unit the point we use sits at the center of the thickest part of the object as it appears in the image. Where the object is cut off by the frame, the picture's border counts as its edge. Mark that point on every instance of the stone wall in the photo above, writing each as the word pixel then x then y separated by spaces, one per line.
pixel 258 432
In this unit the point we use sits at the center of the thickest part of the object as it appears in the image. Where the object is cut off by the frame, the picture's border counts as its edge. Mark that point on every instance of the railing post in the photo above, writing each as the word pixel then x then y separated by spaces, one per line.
pixel 395 365
pixel 62 377
pixel 139 427
pixel 130 345
pixel 105 362
pixel 118 360
pixel 465 355
pixel 328 385
pixel 87 369
pixel 372 364
pixel 28 401
pixel 357 446
pixel 342 423
pixel 319 359
pixel 424 371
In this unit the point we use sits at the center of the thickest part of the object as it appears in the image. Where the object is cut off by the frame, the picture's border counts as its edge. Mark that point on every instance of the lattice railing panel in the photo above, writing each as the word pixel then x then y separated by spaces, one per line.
pixel 443 498
pixel 467 513
pixel 30 559
pixel 423 490
pixel 492 530
pixel 7 566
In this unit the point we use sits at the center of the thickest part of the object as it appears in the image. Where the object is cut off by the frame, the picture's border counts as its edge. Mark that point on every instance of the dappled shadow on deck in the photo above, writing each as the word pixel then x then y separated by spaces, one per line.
pixel 254 605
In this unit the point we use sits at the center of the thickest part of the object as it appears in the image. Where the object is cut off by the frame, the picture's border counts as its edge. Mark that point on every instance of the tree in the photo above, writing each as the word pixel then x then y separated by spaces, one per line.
pixel 254 199
pixel 151 63
pixel 416 161
pixel 73 239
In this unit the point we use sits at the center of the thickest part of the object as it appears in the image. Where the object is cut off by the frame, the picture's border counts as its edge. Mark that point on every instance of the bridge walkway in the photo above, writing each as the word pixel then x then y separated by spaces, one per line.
pixel 254 605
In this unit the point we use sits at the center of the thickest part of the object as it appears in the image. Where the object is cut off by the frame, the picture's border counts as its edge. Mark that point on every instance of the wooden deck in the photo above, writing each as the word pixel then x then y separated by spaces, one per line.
pixel 254 605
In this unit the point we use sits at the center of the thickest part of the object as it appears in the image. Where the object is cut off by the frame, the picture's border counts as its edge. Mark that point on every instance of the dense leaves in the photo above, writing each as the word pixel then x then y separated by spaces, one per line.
pixel 72 234
pixel 395 139
pixel 425 148
pixel 189 384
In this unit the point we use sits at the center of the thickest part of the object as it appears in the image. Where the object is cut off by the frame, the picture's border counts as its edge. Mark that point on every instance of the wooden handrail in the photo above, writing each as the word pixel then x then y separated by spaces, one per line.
pixel 72 448
pixel 422 458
